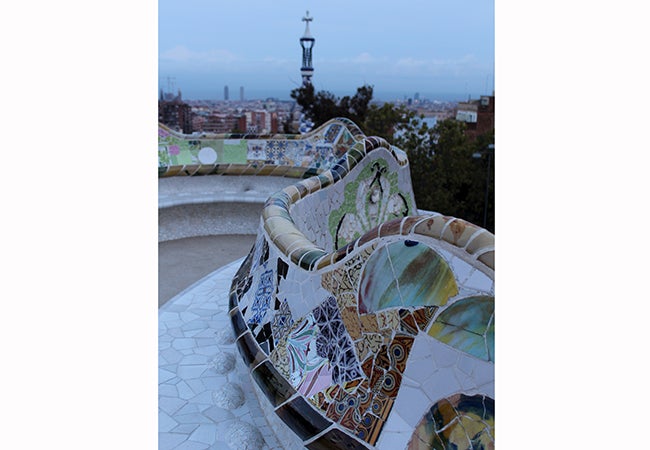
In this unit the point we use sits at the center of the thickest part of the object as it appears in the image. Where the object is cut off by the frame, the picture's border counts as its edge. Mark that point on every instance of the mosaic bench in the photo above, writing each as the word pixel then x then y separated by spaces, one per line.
pixel 296 156
pixel 364 323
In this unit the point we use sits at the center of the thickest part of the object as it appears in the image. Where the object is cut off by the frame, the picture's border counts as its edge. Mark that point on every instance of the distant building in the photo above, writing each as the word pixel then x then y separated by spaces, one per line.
pixel 307 43
pixel 220 123
pixel 226 96
pixel 241 93
pixel 174 113
pixel 478 115
pixel 262 122
pixel 275 123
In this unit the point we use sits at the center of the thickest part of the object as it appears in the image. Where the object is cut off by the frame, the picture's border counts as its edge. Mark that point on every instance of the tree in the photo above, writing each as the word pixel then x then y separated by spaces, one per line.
pixel 374 120
pixel 322 106
pixel 446 177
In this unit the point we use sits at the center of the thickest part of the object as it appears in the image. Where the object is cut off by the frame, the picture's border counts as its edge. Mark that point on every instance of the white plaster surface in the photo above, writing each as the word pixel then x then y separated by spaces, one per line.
pixel 174 191
pixel 214 204
pixel 207 219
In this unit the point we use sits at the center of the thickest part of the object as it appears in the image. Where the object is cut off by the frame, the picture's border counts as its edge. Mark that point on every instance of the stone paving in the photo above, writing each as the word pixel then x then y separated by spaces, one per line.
pixel 206 398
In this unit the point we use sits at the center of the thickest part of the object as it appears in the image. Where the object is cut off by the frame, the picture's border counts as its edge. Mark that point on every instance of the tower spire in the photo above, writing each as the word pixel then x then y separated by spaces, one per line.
pixel 307 44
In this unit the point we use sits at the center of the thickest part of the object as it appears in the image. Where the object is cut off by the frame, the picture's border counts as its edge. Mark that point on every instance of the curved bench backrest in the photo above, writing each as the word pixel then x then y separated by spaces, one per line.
pixel 363 325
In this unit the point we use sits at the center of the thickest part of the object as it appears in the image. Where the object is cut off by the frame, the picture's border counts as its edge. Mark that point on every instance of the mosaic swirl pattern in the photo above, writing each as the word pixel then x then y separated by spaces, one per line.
pixel 364 326
pixel 459 422
pixel 404 274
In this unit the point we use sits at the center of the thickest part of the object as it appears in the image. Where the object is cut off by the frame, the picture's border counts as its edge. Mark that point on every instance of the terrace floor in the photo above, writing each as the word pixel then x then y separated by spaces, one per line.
pixel 182 262
pixel 205 397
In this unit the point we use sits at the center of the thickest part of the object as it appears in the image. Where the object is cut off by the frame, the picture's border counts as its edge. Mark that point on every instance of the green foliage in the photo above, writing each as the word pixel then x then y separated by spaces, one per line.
pixel 448 178
pixel 374 120
pixel 322 106
pixel 445 174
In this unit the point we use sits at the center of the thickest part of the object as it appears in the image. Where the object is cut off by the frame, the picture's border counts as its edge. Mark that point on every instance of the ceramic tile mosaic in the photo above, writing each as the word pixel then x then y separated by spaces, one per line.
pixel 314 152
pixel 204 400
pixel 405 273
pixel 460 421
pixel 374 323
pixel 371 199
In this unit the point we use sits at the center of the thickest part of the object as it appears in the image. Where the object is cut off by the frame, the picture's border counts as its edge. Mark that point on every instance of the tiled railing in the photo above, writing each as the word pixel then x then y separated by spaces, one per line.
pixel 364 325
pixel 297 156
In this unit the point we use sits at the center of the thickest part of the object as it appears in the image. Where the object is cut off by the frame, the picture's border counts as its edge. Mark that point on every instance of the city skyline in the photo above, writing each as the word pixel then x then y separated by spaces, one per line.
pixel 441 50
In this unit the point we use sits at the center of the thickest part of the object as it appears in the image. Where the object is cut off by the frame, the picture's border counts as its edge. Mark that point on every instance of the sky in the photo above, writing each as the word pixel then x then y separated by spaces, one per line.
pixel 437 48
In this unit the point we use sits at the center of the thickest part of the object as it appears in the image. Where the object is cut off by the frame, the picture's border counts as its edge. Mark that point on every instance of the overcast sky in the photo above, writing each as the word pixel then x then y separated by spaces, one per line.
pixel 439 48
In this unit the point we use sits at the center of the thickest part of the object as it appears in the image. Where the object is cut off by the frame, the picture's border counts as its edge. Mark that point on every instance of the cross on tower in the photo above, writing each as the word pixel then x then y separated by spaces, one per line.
pixel 307 43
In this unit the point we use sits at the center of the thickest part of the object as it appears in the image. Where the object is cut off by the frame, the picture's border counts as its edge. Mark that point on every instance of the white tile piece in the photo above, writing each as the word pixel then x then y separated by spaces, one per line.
pixel 479 281
pixel 466 365
pixel 461 269
pixel 184 390
pixel 183 343
pixel 194 371
pixel 170 405
pixel 217 414
pixel 185 428
pixel 215 382
pixel 175 307
pixel 406 381
pixel 165 422
pixel 196 385
pixel 420 349
pixel 165 375
pixel 207 332
pixel 171 355
pixel 192 418
pixel 167 390
pixel 411 405
pixel 204 342
pixel 445 356
pixel 170 367
pixel 168 441
pixel 205 433
pixel 441 385
pixel 484 379
pixel 194 359
pixel 168 317
pixel 392 440
pixel 188 408
pixel 203 398
pixel 192 445
pixel 198 324
pixel 486 389
pixel 208 309
pixel 176 332
pixel 467 383
pixel 192 333
pixel 210 350
pixel 420 370
pixel 188 316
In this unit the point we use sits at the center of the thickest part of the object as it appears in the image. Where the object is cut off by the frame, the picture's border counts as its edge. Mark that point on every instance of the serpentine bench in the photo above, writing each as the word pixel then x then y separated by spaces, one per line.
pixel 364 322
